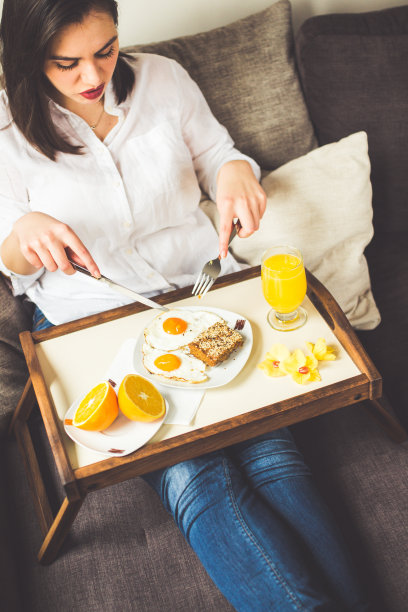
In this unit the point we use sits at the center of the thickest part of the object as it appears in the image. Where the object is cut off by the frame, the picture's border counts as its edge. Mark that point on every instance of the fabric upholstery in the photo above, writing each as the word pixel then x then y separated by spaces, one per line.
pixel 247 73
pixel 363 476
pixel 353 70
pixel 123 552
pixel 354 73
pixel 15 317
pixel 321 203
pixel 388 343
pixel 10 598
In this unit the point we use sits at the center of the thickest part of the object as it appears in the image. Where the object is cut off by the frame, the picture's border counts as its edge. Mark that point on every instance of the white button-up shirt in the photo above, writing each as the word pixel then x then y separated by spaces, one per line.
pixel 133 199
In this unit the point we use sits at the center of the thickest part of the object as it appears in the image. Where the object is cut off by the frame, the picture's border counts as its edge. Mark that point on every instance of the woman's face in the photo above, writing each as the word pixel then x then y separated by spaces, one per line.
pixel 81 60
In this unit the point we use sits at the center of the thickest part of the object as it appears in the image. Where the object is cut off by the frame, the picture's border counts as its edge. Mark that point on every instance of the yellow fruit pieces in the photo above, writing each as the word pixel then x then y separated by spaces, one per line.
pixel 98 409
pixel 139 399
pixel 279 361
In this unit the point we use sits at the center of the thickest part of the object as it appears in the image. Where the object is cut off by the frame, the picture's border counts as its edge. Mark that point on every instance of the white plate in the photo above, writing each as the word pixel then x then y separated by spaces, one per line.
pixel 219 375
pixel 121 438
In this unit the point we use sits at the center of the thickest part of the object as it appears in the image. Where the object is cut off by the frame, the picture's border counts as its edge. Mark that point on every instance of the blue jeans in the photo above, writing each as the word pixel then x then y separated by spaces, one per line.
pixel 253 516
pixel 260 528
pixel 40 321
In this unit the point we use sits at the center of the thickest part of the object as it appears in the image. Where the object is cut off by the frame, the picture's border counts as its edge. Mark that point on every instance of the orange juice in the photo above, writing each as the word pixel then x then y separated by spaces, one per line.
pixel 283 282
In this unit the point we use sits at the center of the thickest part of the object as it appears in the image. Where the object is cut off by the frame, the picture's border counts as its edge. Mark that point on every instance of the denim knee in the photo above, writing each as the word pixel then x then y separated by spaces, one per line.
pixel 269 457
pixel 190 487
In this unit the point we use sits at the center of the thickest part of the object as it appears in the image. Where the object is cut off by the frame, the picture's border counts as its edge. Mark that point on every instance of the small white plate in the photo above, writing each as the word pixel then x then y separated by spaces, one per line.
pixel 219 375
pixel 121 438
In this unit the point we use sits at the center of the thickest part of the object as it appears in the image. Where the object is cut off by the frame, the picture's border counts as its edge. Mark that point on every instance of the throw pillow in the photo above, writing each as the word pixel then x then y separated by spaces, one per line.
pixel 321 203
pixel 246 71
pixel 354 75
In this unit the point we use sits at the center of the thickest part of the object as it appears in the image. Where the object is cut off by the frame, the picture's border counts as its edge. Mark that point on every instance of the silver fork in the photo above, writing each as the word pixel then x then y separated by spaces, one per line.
pixel 212 269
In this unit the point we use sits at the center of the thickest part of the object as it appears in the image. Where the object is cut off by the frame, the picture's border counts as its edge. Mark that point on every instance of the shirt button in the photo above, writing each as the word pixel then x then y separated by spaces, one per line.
pixel 129 251
pixel 127 224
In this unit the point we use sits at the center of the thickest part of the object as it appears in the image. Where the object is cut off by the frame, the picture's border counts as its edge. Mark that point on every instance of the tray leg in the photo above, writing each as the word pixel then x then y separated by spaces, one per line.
pixel 381 409
pixel 33 472
pixel 55 529
pixel 59 530
pixel 20 428
pixel 24 407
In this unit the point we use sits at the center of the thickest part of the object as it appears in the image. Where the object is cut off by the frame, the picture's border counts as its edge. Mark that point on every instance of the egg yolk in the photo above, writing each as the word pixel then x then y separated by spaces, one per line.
pixel 174 326
pixel 167 362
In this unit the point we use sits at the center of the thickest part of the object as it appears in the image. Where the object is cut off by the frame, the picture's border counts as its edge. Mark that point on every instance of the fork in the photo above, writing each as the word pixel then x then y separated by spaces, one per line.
pixel 212 268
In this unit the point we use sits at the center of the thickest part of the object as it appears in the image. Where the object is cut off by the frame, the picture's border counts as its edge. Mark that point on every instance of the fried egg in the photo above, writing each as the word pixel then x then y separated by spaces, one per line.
pixel 175 365
pixel 176 328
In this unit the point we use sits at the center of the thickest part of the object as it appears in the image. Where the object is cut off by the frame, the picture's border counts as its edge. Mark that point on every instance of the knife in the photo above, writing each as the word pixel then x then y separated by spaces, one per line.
pixel 119 288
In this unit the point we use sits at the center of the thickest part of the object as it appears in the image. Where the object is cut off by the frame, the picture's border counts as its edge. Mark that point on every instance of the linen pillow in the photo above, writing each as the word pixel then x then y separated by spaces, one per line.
pixel 354 73
pixel 321 203
pixel 246 71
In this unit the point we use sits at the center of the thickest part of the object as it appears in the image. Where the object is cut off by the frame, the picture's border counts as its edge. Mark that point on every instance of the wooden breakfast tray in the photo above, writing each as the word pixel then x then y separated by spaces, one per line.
pixel 62 360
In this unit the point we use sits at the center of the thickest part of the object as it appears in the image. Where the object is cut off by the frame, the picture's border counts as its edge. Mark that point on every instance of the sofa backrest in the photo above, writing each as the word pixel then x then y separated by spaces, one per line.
pixel 247 73
pixel 353 69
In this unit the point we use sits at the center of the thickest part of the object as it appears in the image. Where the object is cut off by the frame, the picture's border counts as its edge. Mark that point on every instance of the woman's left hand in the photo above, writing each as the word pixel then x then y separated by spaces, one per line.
pixel 239 195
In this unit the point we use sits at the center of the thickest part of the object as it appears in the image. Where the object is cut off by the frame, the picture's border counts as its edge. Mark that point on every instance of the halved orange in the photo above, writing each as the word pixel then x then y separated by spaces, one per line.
pixel 139 399
pixel 98 409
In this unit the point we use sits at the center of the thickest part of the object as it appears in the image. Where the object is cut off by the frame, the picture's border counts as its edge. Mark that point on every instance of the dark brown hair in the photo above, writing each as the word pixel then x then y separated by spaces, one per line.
pixel 26 30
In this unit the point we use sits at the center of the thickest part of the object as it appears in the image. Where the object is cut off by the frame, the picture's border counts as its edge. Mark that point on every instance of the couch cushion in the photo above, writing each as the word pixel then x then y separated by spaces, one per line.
pixel 354 73
pixel 363 475
pixel 123 552
pixel 321 203
pixel 247 73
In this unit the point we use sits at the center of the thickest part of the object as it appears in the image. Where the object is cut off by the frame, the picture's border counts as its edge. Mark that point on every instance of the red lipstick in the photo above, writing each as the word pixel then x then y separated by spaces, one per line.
pixel 92 94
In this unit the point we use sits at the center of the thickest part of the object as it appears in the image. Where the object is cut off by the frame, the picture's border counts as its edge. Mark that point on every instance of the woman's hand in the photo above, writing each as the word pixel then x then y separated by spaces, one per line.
pixel 239 195
pixel 39 240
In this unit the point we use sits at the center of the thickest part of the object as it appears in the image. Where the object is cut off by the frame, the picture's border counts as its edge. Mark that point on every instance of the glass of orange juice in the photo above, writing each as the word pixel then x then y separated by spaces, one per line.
pixel 284 287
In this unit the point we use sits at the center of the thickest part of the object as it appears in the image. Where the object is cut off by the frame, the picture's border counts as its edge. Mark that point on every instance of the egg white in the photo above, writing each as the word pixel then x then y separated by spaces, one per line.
pixel 191 370
pixel 197 322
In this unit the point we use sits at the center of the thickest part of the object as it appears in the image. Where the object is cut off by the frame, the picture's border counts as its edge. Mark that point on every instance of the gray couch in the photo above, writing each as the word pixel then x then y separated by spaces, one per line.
pixel 124 552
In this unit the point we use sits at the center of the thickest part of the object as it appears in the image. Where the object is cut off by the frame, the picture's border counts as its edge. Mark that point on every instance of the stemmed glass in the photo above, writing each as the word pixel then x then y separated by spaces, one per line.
pixel 284 286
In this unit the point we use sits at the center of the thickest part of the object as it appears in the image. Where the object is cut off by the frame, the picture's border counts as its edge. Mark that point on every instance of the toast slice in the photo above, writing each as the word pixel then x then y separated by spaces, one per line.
pixel 215 344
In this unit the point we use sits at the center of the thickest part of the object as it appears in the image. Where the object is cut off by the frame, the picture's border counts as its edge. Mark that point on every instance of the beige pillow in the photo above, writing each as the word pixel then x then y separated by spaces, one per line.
pixel 321 203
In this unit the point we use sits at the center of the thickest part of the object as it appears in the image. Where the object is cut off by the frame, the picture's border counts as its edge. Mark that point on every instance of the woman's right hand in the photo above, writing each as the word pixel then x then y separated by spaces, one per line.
pixel 40 240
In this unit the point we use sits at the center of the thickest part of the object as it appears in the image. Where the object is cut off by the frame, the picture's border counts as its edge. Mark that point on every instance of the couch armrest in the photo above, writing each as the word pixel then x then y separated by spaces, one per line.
pixel 15 316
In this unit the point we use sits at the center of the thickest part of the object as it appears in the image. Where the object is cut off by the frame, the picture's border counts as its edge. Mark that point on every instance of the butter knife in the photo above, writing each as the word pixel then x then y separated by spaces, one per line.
pixel 119 288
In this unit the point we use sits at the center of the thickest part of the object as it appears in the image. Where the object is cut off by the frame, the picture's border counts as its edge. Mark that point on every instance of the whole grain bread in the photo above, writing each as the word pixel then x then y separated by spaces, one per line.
pixel 215 344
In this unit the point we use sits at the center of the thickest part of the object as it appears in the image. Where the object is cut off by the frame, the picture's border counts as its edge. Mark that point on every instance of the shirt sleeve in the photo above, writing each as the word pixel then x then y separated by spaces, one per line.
pixel 209 142
pixel 13 205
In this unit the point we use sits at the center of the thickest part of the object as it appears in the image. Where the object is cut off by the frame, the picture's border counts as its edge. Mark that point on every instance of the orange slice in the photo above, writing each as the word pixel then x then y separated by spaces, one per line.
pixel 139 399
pixel 98 409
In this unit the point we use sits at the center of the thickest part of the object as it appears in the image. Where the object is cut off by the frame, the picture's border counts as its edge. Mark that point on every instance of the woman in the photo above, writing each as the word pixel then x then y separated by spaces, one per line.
pixel 102 156
pixel 123 188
